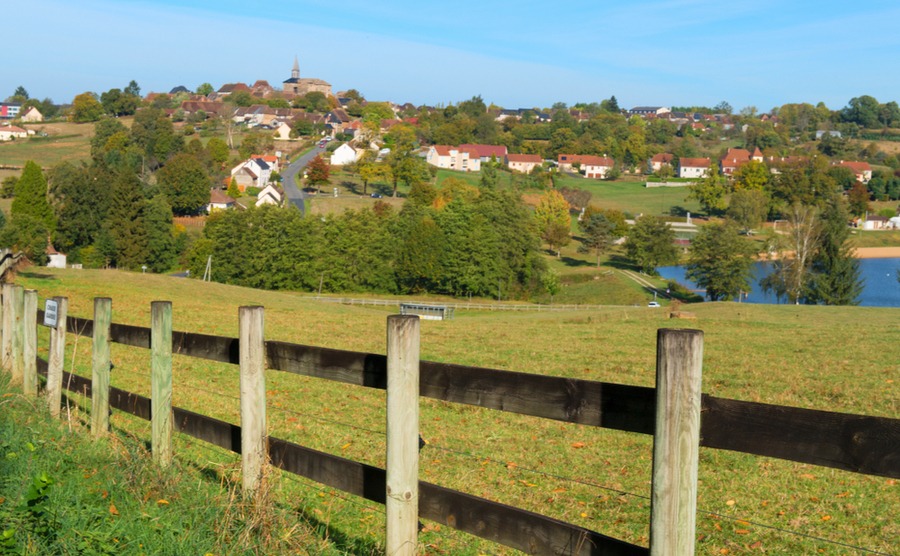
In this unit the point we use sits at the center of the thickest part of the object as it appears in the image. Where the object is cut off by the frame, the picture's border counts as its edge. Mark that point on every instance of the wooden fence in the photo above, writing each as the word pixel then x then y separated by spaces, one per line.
pixel 675 412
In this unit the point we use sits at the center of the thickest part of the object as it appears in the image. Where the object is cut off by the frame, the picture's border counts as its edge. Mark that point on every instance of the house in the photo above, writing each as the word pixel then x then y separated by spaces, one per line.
pixel 208 107
pixel 229 88
pixel 261 89
pixel 487 152
pixel 693 168
pixel 299 86
pixel 283 131
pixel 592 166
pixel 254 172
pixel 649 111
pixel 862 170
pixel 270 195
pixel 269 159
pixel 32 115
pixel 56 259
pixel 658 160
pixel 343 155
pixel 453 158
pixel 524 163
pixel 734 158
pixel 218 200
pixel 9 111
pixel 10 132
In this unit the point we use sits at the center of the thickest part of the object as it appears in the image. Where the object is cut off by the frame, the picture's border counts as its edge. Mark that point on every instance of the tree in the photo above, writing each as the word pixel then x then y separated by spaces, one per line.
pixel 723 108
pixel 133 89
pixel 835 271
pixel 791 273
pixel 218 151
pixel 161 245
pixel 124 230
pixel 117 103
pixel 720 261
pixel 204 89
pixel 185 184
pixel 318 171
pixel 710 191
pixel 859 199
pixel 554 222
pixel 31 196
pixel 651 243
pixel 367 169
pixel 154 135
pixel 753 175
pixel 748 208
pixel 28 234
pixel 21 93
pixel 80 197
pixel 233 191
pixel 86 108
pixel 598 235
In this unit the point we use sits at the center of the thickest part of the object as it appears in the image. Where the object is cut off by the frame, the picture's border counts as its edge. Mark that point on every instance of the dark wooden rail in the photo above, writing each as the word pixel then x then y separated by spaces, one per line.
pixel 857 443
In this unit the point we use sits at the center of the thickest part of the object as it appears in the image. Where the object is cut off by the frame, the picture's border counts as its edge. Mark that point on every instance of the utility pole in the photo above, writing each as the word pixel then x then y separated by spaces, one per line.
pixel 207 274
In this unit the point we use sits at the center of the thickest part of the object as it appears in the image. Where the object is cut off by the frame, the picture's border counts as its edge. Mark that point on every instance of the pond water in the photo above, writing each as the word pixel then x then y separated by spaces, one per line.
pixel 880 289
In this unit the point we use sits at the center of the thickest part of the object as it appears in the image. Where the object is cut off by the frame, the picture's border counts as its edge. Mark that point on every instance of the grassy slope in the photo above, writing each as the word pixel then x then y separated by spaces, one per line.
pixel 841 359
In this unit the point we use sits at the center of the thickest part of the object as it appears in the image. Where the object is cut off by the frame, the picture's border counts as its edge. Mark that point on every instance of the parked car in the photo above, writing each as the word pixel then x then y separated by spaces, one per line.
pixel 653 304
pixel 376 195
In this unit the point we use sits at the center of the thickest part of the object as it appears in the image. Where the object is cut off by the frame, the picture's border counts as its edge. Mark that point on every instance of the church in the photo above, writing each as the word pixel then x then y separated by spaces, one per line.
pixel 299 86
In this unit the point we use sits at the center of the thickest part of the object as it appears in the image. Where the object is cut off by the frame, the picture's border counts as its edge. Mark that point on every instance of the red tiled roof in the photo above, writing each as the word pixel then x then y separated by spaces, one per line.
pixel 486 151
pixel 695 163
pixel 856 166
pixel 663 158
pixel 535 158
pixel 585 159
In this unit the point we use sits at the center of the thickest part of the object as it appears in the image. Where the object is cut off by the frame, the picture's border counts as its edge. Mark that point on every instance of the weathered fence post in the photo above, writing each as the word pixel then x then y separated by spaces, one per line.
pixel 29 317
pixel 161 379
pixel 6 338
pixel 57 356
pixel 676 442
pixel 253 396
pixel 100 366
pixel 402 435
pixel 17 359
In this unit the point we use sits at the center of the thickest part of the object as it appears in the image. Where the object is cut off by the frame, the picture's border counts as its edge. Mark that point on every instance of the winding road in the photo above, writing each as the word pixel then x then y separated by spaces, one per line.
pixel 294 194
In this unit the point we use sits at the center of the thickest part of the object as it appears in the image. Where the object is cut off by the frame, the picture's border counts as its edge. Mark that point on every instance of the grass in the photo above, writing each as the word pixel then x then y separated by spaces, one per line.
pixel 834 358
pixel 65 142
pixel 63 493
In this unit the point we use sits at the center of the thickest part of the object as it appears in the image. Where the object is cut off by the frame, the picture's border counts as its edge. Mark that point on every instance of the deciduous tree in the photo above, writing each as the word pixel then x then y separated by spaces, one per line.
pixel 185 184
pixel 710 191
pixel 597 235
pixel 318 171
pixel 86 108
pixel 651 243
pixel 720 261
pixel 554 222
pixel 790 278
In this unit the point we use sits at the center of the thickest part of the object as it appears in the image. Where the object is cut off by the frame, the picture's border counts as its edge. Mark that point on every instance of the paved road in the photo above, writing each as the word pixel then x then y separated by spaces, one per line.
pixel 294 194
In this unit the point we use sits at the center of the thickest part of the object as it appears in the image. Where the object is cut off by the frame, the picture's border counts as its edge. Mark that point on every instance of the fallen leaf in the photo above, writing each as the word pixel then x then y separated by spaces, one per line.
pixel 558 490
pixel 807 476
pixel 583 514
pixel 113 510
pixel 826 518
pixel 162 502
pixel 577 445
pixel 511 465
pixel 345 446
pixel 730 503
pixel 755 545
pixel 742 531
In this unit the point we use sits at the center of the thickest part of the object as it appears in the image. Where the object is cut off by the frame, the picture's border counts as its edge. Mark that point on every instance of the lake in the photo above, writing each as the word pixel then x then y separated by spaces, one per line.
pixel 881 288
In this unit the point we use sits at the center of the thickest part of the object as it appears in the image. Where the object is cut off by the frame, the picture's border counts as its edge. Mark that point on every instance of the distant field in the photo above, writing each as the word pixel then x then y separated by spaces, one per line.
pixel 64 142
pixel 835 358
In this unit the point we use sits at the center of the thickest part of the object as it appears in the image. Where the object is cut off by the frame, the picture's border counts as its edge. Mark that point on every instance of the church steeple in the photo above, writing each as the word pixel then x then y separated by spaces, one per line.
pixel 295 73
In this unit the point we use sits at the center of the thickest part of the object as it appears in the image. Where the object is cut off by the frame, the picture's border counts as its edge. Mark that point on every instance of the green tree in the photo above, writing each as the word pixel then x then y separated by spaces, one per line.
pixel 233 191
pixel 8 187
pixel 20 93
pixel 185 184
pixel 86 108
pixel 162 251
pixel 117 103
pixel 598 235
pixel 748 208
pixel 859 199
pixel 204 89
pixel 80 202
pixel 218 151
pixel 752 175
pixel 28 234
pixel 651 243
pixel 710 191
pixel 124 226
pixel 154 135
pixel 835 271
pixel 31 196
pixel 721 261
pixel 554 222
pixel 367 169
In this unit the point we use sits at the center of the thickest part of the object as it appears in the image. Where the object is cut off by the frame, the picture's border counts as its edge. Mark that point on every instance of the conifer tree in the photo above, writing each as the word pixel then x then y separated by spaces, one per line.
pixel 125 222
pixel 31 196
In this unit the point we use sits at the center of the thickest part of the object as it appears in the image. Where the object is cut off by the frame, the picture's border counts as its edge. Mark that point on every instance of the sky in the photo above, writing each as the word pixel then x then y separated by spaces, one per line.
pixel 521 54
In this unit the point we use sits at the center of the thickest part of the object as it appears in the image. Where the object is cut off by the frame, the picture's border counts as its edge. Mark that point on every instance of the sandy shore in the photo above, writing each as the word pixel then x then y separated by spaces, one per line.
pixel 877 252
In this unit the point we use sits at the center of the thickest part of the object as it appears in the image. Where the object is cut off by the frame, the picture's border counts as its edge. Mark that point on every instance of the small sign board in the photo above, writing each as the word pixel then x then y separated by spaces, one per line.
pixel 51 312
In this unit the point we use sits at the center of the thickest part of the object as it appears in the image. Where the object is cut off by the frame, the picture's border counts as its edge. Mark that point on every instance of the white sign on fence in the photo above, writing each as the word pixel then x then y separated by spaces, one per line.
pixel 51 310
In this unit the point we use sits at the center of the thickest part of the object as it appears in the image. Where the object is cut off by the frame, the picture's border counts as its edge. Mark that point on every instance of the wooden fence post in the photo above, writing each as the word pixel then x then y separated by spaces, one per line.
pixel 17 359
pixel 253 396
pixel 57 356
pixel 161 379
pixel 676 442
pixel 100 366
pixel 402 485
pixel 6 339
pixel 29 317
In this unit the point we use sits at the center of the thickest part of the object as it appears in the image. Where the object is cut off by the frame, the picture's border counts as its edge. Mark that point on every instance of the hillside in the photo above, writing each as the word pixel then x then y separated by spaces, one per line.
pixel 834 358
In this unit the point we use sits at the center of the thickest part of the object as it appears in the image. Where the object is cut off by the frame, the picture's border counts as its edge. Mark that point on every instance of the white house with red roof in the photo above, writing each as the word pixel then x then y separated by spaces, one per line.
pixel 661 159
pixel 596 167
pixel 453 158
pixel 693 168
pixel 10 132
pixel 487 152
pixel 862 170
pixel 218 200
pixel 524 163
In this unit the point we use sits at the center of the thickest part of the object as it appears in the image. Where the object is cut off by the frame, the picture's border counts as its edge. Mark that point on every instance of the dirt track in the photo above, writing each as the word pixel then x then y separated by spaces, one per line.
pixel 877 252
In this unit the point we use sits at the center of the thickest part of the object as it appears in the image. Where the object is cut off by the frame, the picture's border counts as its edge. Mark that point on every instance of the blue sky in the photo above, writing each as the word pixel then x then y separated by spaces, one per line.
pixel 763 53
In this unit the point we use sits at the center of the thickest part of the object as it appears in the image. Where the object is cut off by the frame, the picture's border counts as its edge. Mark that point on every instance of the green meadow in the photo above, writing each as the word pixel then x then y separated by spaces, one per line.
pixel 842 359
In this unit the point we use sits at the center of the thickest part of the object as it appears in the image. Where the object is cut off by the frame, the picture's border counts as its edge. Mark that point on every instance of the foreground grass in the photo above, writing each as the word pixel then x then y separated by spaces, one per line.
pixel 63 493
pixel 834 358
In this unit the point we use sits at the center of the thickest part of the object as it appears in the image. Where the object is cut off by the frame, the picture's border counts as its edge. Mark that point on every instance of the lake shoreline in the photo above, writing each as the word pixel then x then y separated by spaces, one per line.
pixel 877 252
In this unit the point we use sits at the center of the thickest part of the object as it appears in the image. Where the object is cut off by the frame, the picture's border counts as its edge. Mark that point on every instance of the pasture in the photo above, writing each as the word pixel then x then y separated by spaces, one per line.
pixel 831 358
pixel 64 142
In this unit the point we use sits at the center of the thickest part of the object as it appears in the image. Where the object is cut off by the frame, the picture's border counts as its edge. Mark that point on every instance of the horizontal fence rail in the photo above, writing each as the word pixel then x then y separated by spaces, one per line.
pixel 494 521
pixel 849 442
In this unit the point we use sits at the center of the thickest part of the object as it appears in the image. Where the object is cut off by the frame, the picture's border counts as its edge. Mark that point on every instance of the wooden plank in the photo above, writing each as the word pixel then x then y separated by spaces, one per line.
pixel 253 397
pixel 676 442
pixel 402 435
pixel 6 326
pixel 17 357
pixel 857 443
pixel 57 358
pixel 100 366
pixel 219 433
pixel 161 381
pixel 507 525
pixel 29 341
pixel 362 369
